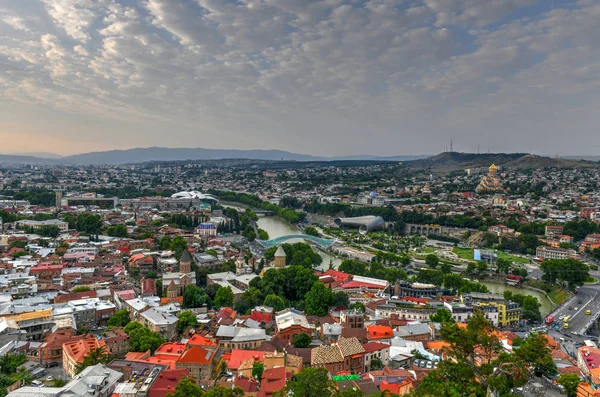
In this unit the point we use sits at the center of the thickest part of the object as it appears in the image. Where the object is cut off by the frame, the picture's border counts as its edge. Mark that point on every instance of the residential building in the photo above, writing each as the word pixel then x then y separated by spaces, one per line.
pixel 375 350
pixel 346 355
pixel 159 321
pixel 74 352
pixel 230 337
pixel 290 322
pixel 352 318
pixel 94 381
pixel 545 252
pixel 198 361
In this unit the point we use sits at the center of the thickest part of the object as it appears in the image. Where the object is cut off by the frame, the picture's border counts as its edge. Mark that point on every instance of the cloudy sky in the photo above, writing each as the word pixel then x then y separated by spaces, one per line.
pixel 323 77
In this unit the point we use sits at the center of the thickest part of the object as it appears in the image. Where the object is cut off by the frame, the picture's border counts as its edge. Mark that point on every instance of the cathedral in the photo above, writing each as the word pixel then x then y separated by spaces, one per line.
pixel 490 182
pixel 176 281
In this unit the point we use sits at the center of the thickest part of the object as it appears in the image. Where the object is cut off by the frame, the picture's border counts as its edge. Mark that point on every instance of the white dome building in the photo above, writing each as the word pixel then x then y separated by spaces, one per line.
pixel 193 194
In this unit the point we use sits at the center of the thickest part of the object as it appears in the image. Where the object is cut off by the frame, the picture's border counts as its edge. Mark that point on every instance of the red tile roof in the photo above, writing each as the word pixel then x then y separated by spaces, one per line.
pixel 196 355
pixel 371 347
pixel 273 380
pixel 166 382
pixel 357 284
pixel 379 332
pixel 199 340
pixel 239 356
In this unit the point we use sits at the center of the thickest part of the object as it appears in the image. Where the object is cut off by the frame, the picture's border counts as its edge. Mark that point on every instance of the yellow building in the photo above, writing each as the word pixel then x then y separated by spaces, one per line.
pixel 509 313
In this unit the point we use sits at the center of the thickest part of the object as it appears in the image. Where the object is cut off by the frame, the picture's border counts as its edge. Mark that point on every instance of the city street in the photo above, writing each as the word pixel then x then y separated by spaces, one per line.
pixel 578 319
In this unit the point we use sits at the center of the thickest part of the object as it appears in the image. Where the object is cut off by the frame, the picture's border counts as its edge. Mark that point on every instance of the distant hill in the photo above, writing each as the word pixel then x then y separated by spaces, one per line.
pixel 140 155
pixel 452 161
pixel 42 155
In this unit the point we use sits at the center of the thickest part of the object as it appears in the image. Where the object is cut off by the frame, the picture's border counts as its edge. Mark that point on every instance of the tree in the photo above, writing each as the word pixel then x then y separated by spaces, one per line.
pixel 569 270
pixel 119 319
pixel 95 356
pixel 249 233
pixel 310 382
pixel 257 370
pixel 178 245
pixel 186 319
pixel 165 243
pixel 194 296
pixel 480 364
pixel 117 231
pixel 535 352
pixel 11 361
pixel 503 265
pixel 311 231
pixel 471 267
pixel 274 301
pixel 431 277
pixel 187 387
pixel 224 297
pixel 446 268
pixel 376 364
pixel 318 300
pixel 482 267
pixel 432 261
pixel 453 282
pixel 82 288
pixel 89 223
pixel 301 340
pixel 340 299
pixel 142 339
pixel 211 290
pixel 442 316
pixel 570 382
pixel 353 267
pixel 262 234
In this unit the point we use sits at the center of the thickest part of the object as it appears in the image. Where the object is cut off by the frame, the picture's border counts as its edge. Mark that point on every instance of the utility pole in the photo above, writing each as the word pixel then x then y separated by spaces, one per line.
pixel 451 151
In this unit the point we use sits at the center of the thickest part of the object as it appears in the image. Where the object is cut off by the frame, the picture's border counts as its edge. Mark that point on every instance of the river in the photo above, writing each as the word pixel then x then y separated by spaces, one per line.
pixel 277 227
pixel 546 307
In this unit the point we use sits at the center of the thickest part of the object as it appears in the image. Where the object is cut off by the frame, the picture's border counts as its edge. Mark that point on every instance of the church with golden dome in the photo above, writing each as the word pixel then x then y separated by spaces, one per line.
pixel 490 182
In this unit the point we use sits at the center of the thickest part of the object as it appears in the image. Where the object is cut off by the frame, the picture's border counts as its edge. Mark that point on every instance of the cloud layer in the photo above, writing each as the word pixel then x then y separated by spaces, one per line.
pixel 326 77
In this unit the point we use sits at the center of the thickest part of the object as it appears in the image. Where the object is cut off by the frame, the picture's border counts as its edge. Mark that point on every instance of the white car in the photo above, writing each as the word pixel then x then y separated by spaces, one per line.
pixel 37 383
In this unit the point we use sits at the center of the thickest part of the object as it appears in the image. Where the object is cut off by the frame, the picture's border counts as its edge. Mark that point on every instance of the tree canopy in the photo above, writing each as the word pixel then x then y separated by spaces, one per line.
pixel 142 339
pixel 572 271
pixel 480 362
pixel 119 319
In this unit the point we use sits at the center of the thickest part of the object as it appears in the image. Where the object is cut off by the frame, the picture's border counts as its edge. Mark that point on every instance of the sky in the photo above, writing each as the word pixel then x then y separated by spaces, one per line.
pixel 321 77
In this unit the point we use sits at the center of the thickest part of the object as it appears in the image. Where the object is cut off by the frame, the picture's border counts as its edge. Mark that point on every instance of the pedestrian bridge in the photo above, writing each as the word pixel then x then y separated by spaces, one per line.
pixel 274 242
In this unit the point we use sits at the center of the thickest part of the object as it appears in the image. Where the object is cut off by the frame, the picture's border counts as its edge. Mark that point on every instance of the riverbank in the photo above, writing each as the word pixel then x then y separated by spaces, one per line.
pixel 547 305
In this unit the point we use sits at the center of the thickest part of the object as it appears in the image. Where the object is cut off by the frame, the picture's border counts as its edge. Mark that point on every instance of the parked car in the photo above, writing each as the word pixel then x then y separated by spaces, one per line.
pixel 429 364
pixel 37 383
pixel 52 364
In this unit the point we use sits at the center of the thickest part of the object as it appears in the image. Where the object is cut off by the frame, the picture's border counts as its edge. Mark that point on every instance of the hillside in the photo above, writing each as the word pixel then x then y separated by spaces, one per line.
pixel 453 161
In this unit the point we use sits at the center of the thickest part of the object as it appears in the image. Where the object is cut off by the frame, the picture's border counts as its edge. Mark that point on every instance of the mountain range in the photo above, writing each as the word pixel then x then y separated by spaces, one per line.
pixel 140 155
pixel 447 161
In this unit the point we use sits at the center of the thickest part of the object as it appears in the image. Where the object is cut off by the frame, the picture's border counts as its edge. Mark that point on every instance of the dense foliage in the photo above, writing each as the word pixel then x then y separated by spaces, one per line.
pixel 297 254
pixel 480 362
pixel 142 339
pixel 572 271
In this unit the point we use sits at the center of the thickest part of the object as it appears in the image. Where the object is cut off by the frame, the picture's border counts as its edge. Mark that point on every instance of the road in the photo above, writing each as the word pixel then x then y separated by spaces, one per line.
pixel 589 296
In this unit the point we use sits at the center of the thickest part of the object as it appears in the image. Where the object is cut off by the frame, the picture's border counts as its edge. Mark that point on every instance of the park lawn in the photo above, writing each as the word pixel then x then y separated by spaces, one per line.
pixel 467 253
pixel 591 280
pixel 464 253
pixel 559 296
pixel 513 258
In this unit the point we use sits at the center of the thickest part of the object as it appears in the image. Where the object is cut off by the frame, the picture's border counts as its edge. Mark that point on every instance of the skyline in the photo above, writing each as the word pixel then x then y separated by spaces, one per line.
pixel 325 78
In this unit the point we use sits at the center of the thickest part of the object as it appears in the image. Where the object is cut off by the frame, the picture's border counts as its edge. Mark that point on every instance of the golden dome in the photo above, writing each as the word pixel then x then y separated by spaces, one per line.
pixel 493 167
